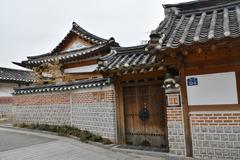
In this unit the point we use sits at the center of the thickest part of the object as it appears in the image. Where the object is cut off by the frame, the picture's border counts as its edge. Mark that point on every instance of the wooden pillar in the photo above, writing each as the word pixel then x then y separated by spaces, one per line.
pixel 119 113
pixel 185 108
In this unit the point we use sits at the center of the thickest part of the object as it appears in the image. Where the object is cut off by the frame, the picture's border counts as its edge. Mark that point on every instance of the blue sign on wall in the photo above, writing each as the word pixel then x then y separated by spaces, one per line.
pixel 192 81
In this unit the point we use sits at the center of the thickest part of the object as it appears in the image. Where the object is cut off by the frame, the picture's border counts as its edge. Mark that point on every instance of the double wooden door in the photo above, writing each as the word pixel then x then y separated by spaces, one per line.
pixel 144 111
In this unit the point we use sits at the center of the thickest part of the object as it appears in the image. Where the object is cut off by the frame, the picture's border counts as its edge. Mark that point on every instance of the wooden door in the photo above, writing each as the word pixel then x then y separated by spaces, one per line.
pixel 150 132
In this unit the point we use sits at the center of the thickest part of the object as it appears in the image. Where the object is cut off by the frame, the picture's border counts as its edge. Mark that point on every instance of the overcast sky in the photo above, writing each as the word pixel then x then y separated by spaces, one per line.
pixel 32 27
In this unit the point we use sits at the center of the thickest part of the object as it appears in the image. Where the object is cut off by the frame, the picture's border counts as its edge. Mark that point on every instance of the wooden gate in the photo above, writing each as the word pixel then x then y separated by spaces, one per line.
pixel 144 111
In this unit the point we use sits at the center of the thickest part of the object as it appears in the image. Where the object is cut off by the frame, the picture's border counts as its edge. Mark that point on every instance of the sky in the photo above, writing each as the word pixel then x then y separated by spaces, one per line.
pixel 33 27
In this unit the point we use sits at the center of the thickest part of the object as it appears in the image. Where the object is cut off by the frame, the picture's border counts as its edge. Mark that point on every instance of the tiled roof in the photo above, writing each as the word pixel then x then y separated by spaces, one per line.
pixel 14 75
pixel 127 58
pixel 81 33
pixel 197 21
pixel 68 56
pixel 99 44
pixel 90 83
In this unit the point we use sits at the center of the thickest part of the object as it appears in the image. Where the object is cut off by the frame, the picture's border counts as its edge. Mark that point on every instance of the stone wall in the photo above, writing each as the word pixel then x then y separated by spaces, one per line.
pixel 88 109
pixel 6 106
pixel 216 135
pixel 175 130
pixel 95 111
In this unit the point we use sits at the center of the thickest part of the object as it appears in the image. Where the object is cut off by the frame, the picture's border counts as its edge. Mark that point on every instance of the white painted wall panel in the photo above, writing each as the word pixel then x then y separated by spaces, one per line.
pixel 210 89
pixel 6 89
pixel 89 68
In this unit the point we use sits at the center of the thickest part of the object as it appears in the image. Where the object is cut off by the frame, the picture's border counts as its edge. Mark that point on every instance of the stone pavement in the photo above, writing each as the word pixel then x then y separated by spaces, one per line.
pixel 25 145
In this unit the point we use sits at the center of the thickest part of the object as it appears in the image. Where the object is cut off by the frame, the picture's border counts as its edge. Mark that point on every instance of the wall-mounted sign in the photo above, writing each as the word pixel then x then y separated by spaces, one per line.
pixel 212 89
pixel 173 100
pixel 192 81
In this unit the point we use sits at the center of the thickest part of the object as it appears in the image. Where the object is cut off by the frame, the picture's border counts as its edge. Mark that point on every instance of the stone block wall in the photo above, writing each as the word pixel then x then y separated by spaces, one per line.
pixel 6 106
pixel 95 111
pixel 176 136
pixel 216 135
pixel 52 108
pixel 88 109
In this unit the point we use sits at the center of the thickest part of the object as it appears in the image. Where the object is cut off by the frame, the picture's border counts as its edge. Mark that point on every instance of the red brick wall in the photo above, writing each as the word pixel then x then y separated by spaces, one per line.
pixel 64 98
pixel 6 100
pixel 215 119
pixel 174 114
pixel 42 99
pixel 92 97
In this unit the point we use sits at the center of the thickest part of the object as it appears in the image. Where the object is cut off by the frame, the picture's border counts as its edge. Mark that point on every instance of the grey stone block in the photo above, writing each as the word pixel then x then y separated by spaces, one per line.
pixel 216 137
pixel 178 139
pixel 181 146
pixel 236 129
pixel 196 129
pixel 209 137
pixel 203 151
pixel 206 144
pixel 180 132
pixel 218 152
pixel 213 144
pixel 229 144
pixel 221 144
pixel 180 152
pixel 210 151
pixel 228 129
pixel 237 145
pixel 175 146
pixel 172 151
pixel 199 143
pixel 201 136
pixel 204 129
pixel 233 137
pixel 196 151
pixel 171 138
pixel 212 129
pixel 234 153
pixel 178 125
pixel 224 137
pixel 226 152
pixel 219 129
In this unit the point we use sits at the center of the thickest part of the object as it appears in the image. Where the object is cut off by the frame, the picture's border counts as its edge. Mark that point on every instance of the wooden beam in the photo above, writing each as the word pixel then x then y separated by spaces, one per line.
pixel 186 121
pixel 121 139
pixel 82 63
pixel 148 75
pixel 202 108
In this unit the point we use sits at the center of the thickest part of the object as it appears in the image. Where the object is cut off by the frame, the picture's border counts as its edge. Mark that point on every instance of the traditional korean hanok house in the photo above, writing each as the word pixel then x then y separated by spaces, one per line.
pixel 66 89
pixel 140 98
pixel 203 37
pixel 10 79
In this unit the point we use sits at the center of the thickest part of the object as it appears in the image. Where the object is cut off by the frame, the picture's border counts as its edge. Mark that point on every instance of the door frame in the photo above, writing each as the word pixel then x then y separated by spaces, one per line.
pixel 120 113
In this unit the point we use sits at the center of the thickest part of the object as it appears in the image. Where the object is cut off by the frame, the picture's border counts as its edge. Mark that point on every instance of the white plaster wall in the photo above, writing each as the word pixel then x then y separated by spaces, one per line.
pixel 6 89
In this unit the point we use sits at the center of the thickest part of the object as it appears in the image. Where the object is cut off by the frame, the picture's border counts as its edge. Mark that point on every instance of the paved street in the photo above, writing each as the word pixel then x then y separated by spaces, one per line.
pixel 24 145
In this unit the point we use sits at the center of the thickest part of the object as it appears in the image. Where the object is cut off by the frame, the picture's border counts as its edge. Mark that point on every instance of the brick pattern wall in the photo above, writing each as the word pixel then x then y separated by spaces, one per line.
pixel 175 130
pixel 42 114
pixel 98 118
pixel 6 106
pixel 88 109
pixel 216 135
pixel 42 99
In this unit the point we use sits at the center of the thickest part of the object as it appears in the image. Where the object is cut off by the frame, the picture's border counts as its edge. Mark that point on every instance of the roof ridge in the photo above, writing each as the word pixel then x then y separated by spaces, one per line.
pixel 199 5
pixel 76 26
pixel 129 47
pixel 13 69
